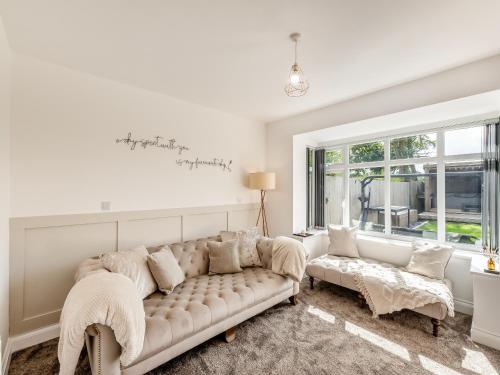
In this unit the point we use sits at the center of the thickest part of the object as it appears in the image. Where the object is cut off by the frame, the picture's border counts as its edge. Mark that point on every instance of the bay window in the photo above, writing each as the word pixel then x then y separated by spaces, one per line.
pixel 425 185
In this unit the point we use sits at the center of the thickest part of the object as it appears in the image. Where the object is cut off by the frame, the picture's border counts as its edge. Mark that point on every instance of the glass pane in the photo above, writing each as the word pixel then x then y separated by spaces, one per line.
pixel 415 146
pixel 463 141
pixel 366 190
pixel 366 152
pixel 414 200
pixel 333 157
pixel 334 197
pixel 463 190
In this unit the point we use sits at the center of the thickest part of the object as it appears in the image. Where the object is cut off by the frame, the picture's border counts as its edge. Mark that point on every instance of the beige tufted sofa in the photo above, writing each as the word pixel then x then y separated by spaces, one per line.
pixel 202 307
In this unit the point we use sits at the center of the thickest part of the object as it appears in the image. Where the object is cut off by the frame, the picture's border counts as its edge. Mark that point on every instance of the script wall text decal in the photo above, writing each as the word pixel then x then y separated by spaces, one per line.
pixel 157 141
pixel 172 145
pixel 215 162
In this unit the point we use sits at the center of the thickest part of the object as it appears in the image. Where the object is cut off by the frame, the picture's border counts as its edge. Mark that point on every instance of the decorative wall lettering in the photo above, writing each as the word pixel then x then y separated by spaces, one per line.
pixel 171 144
pixel 215 162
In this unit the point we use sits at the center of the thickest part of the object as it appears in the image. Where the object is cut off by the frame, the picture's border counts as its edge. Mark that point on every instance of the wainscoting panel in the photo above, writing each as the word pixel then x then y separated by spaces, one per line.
pixel 150 232
pixel 204 224
pixel 60 250
pixel 243 219
pixel 45 251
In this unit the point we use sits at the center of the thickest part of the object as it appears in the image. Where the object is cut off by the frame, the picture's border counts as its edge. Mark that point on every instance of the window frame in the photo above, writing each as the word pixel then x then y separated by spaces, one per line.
pixel 439 160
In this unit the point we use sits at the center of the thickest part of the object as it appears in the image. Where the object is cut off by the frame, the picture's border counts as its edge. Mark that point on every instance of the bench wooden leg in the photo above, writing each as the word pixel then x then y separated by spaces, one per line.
pixel 435 327
pixel 230 334
pixel 294 300
pixel 311 282
pixel 361 300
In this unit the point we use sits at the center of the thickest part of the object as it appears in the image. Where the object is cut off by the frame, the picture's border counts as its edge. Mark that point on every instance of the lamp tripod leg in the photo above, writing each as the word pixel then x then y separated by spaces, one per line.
pixel 265 229
pixel 258 217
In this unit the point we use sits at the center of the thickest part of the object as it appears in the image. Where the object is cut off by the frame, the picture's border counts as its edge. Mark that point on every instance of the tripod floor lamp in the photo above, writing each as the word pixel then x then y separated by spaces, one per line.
pixel 262 181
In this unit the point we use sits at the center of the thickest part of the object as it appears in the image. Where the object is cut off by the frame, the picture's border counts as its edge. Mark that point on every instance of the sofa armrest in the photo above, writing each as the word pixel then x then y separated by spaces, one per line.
pixel 103 350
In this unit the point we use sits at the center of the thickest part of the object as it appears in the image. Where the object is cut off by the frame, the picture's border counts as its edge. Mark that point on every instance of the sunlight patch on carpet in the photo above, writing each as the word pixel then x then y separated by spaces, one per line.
pixel 477 362
pixel 436 367
pixel 327 317
pixel 379 341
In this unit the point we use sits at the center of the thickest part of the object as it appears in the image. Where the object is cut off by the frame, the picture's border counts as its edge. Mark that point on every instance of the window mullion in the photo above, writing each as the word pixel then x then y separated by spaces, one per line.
pixel 441 193
pixel 387 185
pixel 347 194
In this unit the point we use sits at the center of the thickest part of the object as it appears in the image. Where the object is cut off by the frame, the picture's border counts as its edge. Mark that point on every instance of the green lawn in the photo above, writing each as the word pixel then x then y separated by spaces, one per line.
pixel 451 227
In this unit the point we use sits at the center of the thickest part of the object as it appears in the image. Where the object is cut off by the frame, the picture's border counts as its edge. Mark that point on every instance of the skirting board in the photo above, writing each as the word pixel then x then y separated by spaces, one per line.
pixel 485 338
pixel 6 357
pixel 464 307
pixel 25 340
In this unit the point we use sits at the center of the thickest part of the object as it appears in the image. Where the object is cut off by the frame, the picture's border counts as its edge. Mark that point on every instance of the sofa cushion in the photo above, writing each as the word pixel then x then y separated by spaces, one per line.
pixel 224 257
pixel 429 259
pixel 165 269
pixel 203 301
pixel 134 265
pixel 265 249
pixel 343 241
pixel 247 245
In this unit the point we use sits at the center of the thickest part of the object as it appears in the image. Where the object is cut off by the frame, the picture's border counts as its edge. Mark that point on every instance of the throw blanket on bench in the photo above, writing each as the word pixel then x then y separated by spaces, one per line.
pixel 107 298
pixel 289 258
pixel 388 289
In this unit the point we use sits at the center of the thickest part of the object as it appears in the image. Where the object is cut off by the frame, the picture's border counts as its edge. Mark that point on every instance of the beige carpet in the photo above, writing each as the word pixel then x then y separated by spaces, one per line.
pixel 327 333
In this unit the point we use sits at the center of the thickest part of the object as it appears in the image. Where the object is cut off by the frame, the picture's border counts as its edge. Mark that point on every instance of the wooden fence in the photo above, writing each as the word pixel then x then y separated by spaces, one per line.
pixel 402 194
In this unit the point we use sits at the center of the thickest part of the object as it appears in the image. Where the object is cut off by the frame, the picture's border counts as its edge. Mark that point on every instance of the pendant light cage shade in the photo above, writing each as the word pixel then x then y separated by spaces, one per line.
pixel 297 83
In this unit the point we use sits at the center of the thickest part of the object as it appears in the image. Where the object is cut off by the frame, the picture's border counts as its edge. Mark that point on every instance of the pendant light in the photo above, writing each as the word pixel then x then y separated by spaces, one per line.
pixel 297 83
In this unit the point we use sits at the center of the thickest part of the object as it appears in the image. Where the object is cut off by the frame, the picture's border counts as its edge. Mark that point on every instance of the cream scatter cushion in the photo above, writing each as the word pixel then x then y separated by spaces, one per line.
pixel 343 241
pixel 249 256
pixel 134 265
pixel 265 249
pixel 224 257
pixel 429 259
pixel 88 267
pixel 165 269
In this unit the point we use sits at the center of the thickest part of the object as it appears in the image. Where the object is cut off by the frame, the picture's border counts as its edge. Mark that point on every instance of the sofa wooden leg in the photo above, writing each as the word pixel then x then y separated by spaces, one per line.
pixel 435 326
pixel 230 334
pixel 294 300
pixel 361 300
pixel 311 282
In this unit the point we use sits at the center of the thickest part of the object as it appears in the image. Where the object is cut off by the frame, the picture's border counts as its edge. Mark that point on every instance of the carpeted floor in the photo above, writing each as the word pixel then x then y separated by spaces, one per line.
pixel 327 333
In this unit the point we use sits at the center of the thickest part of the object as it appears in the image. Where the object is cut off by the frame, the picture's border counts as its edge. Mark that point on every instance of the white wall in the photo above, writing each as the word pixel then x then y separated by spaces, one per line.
pixel 65 160
pixel 5 61
pixel 286 203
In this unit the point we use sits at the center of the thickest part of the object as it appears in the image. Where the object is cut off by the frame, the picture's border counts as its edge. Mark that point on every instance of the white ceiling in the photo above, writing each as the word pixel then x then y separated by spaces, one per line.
pixel 234 55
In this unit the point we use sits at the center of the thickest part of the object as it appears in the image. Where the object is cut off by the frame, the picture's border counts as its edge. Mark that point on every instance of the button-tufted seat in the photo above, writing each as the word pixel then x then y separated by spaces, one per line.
pixel 201 307
pixel 202 301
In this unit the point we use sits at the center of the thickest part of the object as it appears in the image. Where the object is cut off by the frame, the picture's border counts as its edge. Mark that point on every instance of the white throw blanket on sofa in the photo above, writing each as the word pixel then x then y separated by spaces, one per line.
pixel 289 258
pixel 388 289
pixel 107 298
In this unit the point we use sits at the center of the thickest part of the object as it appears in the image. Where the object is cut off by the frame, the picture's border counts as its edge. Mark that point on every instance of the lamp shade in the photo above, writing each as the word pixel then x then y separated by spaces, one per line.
pixel 262 181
